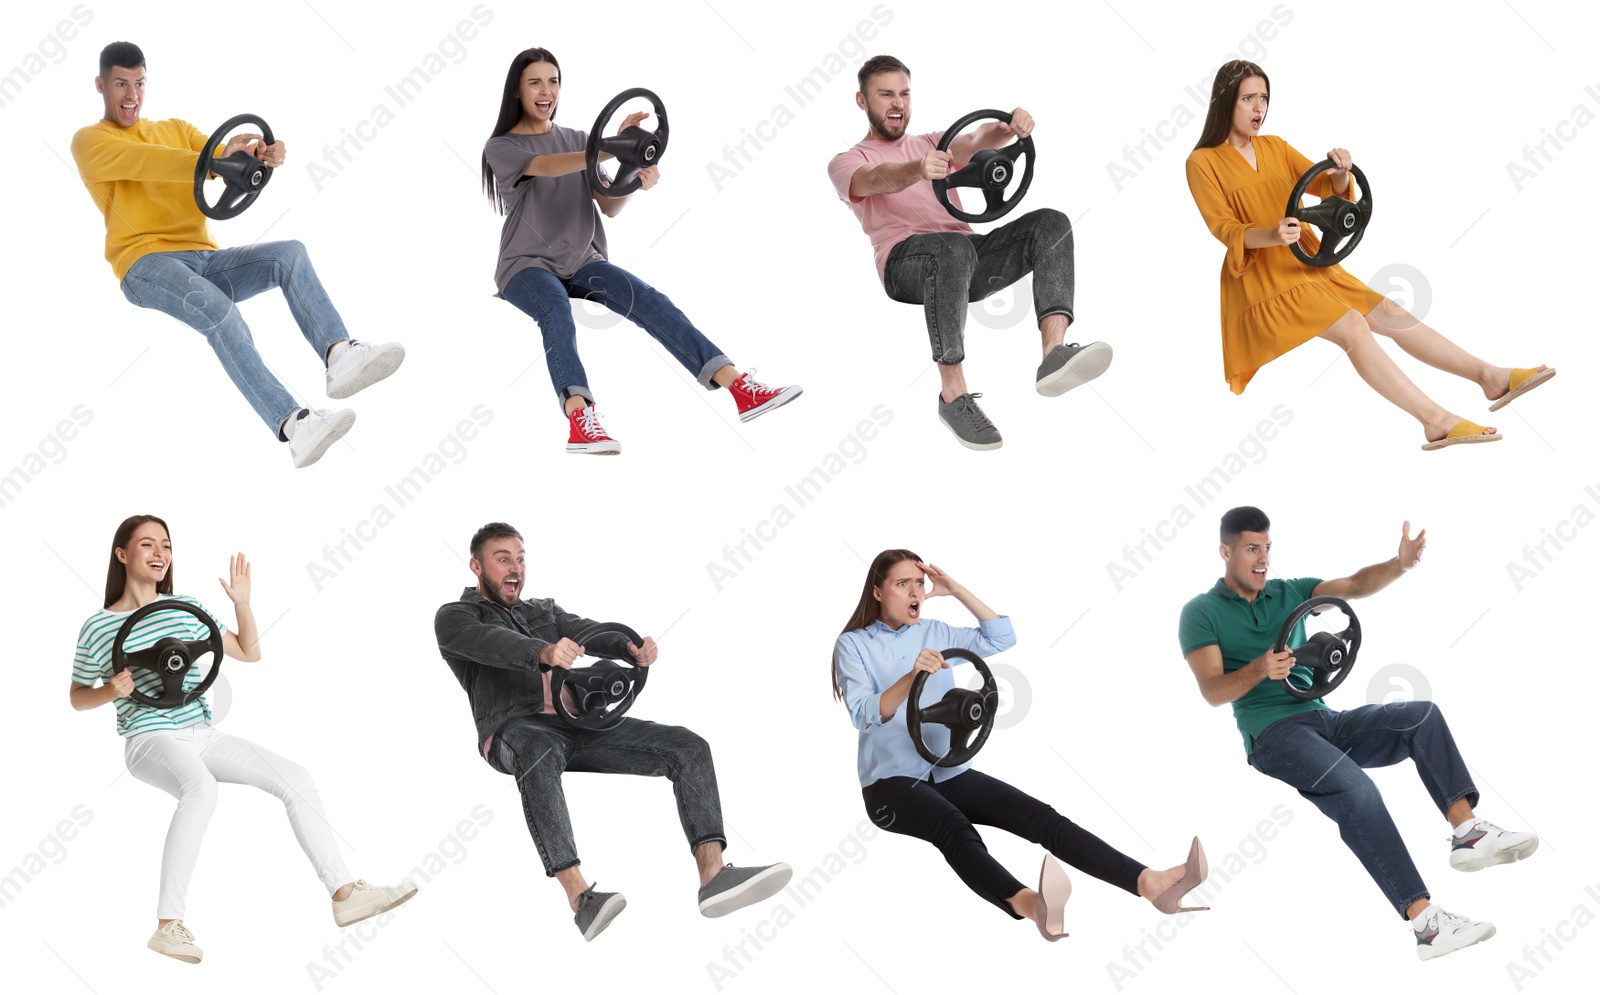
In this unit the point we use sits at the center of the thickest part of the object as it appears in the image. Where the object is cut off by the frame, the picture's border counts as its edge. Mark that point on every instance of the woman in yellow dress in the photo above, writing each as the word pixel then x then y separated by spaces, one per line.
pixel 1271 302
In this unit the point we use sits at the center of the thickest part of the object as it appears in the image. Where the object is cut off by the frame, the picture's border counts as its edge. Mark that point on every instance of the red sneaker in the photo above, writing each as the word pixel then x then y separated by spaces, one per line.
pixel 587 435
pixel 754 398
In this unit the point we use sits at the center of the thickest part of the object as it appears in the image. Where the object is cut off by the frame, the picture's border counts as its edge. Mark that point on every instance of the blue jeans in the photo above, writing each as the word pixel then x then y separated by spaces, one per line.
pixel 1322 754
pixel 200 290
pixel 545 298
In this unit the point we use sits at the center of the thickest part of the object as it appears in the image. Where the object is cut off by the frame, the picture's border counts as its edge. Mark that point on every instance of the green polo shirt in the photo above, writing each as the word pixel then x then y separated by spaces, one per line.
pixel 1243 630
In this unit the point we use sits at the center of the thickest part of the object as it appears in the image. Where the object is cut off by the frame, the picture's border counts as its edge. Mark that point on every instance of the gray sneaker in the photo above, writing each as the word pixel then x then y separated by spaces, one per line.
pixel 1071 365
pixel 735 887
pixel 967 422
pixel 596 909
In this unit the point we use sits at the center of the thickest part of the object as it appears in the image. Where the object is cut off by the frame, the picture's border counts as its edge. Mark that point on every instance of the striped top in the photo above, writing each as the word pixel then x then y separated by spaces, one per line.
pixel 91 665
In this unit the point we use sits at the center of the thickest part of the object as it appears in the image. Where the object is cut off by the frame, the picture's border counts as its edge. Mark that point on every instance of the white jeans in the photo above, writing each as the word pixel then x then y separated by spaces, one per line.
pixel 188 763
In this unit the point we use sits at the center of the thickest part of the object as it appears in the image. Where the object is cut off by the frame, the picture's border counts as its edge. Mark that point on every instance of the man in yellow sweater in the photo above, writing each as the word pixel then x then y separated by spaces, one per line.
pixel 141 174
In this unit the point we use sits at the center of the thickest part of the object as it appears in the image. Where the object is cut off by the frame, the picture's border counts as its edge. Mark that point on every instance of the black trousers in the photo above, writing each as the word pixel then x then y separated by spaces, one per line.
pixel 943 813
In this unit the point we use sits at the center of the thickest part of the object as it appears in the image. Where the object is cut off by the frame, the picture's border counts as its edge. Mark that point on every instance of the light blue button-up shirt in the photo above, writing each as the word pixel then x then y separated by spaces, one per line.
pixel 868 660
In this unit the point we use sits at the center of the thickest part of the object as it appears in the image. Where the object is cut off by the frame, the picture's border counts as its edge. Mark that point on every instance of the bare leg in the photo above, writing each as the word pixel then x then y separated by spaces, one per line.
pixel 571 881
pixel 952 384
pixel 1025 903
pixel 1154 883
pixel 725 375
pixel 1378 369
pixel 1460 811
pixel 1421 341
pixel 1053 330
pixel 708 856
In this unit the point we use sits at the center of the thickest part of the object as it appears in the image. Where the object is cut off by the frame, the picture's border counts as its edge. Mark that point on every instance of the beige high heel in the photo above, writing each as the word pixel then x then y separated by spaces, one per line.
pixel 1054 890
pixel 1195 871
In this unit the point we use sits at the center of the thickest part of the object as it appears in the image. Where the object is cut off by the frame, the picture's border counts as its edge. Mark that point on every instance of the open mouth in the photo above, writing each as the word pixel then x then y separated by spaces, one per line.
pixel 1259 573
pixel 1255 122
pixel 544 105
pixel 510 586
pixel 914 610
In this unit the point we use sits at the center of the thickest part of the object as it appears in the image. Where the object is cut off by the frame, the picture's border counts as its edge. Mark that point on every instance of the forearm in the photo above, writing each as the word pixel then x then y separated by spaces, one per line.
pixel 85 697
pixel 244 628
pixel 894 696
pixel 970 602
pixel 1261 238
pixel 1223 688
pixel 884 178
pixel 1370 580
pixel 488 645
pixel 989 136
pixel 611 206
pixel 557 164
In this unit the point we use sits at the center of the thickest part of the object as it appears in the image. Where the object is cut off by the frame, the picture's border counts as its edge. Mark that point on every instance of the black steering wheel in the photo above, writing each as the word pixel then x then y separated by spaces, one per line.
pixel 1330 656
pixel 603 691
pixel 1339 220
pixel 962 710
pixel 243 175
pixel 635 149
pixel 169 658
pixel 990 170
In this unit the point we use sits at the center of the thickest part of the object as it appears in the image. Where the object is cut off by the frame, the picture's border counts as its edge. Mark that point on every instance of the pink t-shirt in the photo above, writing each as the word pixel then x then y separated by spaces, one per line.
pixel 888 218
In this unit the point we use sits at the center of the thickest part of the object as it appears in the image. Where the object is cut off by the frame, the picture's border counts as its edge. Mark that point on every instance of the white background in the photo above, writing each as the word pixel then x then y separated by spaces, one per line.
pixel 1112 731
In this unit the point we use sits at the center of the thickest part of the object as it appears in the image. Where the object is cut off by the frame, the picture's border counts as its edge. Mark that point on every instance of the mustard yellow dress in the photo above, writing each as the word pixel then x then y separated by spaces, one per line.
pixel 1271 302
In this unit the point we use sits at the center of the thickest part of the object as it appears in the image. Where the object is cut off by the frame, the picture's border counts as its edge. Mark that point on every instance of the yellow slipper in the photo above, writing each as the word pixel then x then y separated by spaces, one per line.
pixel 1523 381
pixel 1463 432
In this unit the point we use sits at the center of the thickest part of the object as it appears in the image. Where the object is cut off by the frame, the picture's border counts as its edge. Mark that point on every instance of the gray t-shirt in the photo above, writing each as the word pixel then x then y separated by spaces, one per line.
pixel 552 222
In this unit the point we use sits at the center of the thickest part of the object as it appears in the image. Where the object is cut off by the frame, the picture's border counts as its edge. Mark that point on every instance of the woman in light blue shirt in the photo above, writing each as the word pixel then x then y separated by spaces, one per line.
pixel 875 659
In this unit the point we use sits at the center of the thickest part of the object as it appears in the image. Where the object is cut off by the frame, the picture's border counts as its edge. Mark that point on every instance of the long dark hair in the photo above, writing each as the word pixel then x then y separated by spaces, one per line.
pixel 511 112
pixel 117 572
pixel 1224 95
pixel 867 609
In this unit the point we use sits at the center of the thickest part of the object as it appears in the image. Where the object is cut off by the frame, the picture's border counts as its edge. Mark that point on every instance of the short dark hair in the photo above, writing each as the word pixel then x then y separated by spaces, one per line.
pixel 879 64
pixel 1241 520
pixel 120 53
pixel 494 530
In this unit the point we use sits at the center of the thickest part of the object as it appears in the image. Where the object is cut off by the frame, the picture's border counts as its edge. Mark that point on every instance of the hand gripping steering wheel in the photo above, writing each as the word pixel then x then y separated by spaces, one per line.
pixel 1338 219
pixel 243 175
pixel 603 691
pixel 169 658
pixel 962 710
pixel 1329 655
pixel 635 149
pixel 989 170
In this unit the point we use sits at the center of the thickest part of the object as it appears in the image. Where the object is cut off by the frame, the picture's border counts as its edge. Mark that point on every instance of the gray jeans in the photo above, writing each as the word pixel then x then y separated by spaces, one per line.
pixel 537 750
pixel 945 271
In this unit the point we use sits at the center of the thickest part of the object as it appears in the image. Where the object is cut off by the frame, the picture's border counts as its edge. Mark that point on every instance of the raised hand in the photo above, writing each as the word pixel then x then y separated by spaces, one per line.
pixel 1411 549
pixel 237 586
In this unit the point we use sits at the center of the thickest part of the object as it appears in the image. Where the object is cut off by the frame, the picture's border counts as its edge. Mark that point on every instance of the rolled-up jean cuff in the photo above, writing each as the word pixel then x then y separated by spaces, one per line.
pixel 576 390
pixel 713 364
pixel 1470 794
pixel 1419 896
pixel 703 840
pixel 1058 310
pixel 552 872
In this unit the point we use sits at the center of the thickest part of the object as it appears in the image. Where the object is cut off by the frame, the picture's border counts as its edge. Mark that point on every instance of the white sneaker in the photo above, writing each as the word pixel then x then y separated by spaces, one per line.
pixel 358 366
pixel 1445 933
pixel 1486 844
pixel 175 940
pixel 312 430
pixel 367 900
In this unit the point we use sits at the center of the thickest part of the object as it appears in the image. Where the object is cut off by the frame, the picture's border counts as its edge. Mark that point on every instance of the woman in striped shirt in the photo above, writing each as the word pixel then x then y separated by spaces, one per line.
pixel 178 750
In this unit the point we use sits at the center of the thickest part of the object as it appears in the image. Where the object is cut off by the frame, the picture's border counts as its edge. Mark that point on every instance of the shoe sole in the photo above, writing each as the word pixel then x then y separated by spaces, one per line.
pixel 336 431
pixel 403 899
pixel 1091 361
pixel 788 394
pixel 609 911
pixel 1055 889
pixel 979 446
pixel 1509 855
pixel 1429 952
pixel 757 888
pixel 381 367
pixel 595 448
pixel 186 958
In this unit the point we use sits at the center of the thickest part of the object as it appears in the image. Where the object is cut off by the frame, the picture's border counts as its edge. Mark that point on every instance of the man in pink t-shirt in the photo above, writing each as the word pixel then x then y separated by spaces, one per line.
pixel 925 256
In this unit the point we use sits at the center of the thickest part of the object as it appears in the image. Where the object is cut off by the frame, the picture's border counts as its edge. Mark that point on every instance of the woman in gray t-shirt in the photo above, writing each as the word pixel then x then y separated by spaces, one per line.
pixel 553 248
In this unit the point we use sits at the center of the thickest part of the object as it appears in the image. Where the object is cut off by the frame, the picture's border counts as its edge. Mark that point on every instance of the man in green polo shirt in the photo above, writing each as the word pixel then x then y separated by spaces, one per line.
pixel 1227 635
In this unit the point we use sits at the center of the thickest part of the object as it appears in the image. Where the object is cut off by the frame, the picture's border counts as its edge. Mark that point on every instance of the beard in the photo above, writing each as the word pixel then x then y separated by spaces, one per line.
pixel 879 126
pixel 493 594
